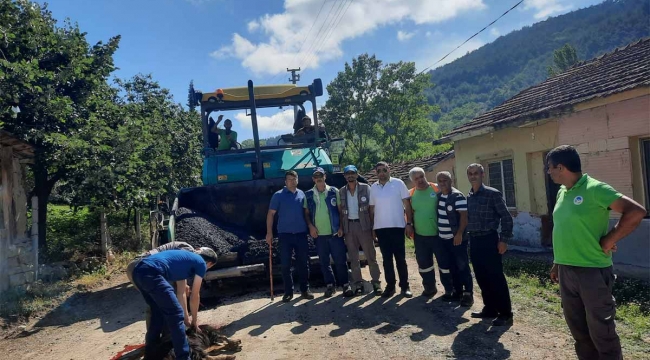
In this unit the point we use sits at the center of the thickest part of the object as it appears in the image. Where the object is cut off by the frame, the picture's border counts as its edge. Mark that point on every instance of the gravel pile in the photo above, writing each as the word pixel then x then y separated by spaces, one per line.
pixel 197 230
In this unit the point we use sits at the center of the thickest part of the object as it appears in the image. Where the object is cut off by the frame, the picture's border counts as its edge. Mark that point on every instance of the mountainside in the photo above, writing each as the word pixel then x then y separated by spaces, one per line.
pixel 495 72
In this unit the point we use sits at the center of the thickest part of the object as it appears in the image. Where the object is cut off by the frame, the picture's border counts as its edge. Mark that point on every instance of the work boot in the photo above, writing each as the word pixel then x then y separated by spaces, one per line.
pixel 330 291
pixel 376 288
pixel 503 320
pixel 483 314
pixel 406 292
pixel 287 297
pixel 467 300
pixel 451 296
pixel 307 295
pixel 429 291
pixel 347 291
pixel 389 291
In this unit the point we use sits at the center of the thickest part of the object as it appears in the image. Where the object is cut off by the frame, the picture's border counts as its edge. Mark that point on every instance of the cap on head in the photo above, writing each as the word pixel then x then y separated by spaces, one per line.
pixel 350 168
pixel 319 170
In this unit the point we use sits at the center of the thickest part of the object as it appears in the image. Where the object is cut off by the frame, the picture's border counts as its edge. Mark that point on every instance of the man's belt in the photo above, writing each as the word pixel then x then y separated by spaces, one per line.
pixel 481 233
pixel 353 220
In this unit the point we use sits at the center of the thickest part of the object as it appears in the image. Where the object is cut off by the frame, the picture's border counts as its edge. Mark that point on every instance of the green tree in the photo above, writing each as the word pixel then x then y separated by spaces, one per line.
pixel 563 58
pixel 52 74
pixel 349 110
pixel 403 111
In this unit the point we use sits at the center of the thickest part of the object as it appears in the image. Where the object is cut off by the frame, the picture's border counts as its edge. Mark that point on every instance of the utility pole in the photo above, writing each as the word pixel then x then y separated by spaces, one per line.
pixel 295 77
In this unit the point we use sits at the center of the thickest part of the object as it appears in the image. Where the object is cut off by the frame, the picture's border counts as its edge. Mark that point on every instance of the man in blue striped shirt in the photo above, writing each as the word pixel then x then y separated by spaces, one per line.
pixel 450 247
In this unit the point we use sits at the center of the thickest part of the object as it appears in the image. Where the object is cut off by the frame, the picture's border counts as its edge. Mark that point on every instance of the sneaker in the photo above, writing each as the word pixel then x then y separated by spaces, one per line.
pixel 359 290
pixel 451 296
pixel 347 291
pixel 330 291
pixel 406 292
pixel 376 289
pixel 307 295
pixel 287 297
pixel 503 320
pixel 467 300
pixel 388 292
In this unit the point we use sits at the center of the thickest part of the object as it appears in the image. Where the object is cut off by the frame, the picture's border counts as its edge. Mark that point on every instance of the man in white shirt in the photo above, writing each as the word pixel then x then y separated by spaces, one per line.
pixel 389 198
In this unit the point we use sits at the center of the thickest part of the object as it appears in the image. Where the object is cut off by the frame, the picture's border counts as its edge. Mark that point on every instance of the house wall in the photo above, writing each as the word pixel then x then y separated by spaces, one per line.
pixel 606 133
pixel 526 147
pixel 17 255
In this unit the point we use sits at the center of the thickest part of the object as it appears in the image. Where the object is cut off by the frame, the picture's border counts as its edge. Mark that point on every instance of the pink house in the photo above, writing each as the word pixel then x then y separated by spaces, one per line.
pixel 602 107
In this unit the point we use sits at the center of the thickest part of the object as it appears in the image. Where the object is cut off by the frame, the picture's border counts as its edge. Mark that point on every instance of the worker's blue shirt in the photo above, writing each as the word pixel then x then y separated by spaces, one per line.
pixel 176 265
pixel 289 207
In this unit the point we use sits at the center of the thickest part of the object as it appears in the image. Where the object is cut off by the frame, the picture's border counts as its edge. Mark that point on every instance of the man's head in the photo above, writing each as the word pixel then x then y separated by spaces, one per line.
pixel 444 181
pixel 383 171
pixel 306 121
pixel 291 180
pixel 419 178
pixel 475 173
pixel 319 178
pixel 227 124
pixel 208 255
pixel 351 173
pixel 563 163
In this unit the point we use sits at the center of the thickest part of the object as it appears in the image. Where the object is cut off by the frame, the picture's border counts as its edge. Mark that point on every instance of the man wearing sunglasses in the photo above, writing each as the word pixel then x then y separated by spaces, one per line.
pixel 357 227
pixel 389 201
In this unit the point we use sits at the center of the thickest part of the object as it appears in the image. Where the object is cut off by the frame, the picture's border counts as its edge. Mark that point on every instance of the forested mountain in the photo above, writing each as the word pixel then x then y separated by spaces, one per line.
pixel 495 72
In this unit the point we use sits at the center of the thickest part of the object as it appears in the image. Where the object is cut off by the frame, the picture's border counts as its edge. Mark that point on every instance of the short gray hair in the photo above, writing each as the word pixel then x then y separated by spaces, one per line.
pixel 446 174
pixel 416 170
pixel 478 166
pixel 207 254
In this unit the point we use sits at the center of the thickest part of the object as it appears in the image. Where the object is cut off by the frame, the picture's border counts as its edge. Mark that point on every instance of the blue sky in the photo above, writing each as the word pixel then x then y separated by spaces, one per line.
pixel 224 43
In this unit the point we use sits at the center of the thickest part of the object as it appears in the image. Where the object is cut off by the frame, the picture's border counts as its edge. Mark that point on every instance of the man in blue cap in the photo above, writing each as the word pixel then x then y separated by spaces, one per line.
pixel 357 227
pixel 322 216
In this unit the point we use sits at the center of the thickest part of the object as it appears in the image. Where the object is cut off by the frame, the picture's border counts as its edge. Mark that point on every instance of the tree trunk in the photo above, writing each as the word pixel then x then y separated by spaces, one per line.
pixel 42 189
pixel 105 237
pixel 138 232
pixel 127 220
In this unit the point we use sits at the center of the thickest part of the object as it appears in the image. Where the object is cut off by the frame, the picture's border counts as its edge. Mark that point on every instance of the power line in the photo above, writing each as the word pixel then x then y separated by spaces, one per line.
pixel 314 43
pixel 471 37
pixel 331 31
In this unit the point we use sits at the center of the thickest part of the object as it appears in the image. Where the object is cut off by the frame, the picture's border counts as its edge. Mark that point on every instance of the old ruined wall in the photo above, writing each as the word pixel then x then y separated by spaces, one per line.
pixel 18 258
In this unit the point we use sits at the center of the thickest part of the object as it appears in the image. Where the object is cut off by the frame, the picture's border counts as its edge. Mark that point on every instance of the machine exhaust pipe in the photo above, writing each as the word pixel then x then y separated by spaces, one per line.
pixel 256 136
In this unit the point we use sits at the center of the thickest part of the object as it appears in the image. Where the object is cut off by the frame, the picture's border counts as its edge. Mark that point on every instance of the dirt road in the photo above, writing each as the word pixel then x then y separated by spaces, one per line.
pixel 98 324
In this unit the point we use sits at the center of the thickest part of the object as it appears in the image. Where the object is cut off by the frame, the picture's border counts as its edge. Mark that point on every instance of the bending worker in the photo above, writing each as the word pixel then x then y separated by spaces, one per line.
pixel 152 275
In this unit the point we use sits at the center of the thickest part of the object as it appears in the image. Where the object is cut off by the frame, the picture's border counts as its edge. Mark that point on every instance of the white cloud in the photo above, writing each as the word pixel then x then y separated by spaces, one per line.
pixel 546 8
pixel 281 122
pixel 495 32
pixel 338 21
pixel 441 45
pixel 404 35
pixel 253 25
pixel 428 34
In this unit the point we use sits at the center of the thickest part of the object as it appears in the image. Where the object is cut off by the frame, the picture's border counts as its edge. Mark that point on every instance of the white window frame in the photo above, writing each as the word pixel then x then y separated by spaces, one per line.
pixel 503 179
pixel 645 172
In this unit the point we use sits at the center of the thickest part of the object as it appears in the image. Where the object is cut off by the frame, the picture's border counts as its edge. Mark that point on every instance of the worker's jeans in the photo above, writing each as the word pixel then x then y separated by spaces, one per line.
pixel 333 245
pixel 288 244
pixel 165 310
pixel 453 264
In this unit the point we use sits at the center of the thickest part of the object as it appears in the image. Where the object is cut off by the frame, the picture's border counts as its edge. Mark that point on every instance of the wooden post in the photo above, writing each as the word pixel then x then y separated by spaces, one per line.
pixel 35 235
pixel 105 237
pixel 138 230
pixel 9 219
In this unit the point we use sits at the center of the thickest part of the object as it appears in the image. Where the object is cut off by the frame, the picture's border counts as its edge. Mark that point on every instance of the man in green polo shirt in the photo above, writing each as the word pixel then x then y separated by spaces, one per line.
pixel 424 202
pixel 582 249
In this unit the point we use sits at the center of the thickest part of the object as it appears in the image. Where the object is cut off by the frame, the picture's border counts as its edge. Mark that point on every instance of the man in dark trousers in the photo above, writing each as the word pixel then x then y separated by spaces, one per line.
pixel 389 201
pixel 486 209
pixel 292 233
pixel 582 249
pixel 451 245
pixel 357 227
pixel 324 222
pixel 152 276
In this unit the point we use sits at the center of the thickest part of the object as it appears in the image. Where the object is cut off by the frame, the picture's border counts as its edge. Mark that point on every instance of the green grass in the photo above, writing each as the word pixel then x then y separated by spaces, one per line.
pixel 538 299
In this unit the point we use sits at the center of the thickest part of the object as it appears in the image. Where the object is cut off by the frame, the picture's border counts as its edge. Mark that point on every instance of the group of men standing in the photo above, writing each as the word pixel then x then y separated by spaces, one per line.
pixel 439 218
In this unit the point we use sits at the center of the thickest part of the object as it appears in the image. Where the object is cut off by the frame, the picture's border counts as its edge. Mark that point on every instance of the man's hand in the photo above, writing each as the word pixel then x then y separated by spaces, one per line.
pixel 220 117
pixel 502 247
pixel 188 323
pixel 269 238
pixel 554 274
pixel 313 231
pixel 374 236
pixel 195 326
pixel 409 231
pixel 458 239
pixel 340 232
pixel 607 245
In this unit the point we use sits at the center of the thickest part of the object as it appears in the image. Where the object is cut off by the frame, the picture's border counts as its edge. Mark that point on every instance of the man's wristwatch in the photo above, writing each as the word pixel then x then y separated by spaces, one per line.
pixel 409 224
